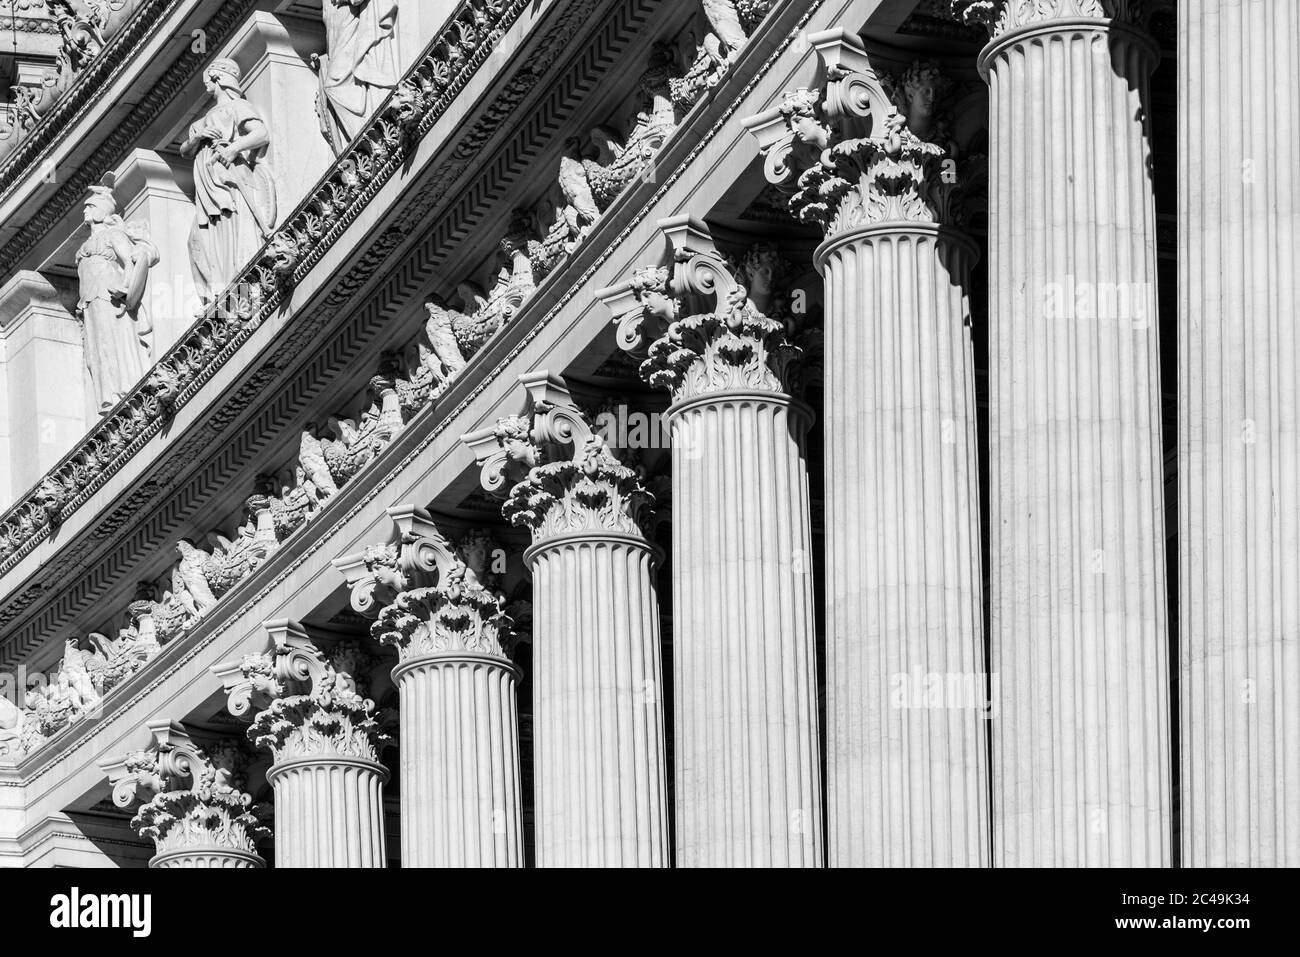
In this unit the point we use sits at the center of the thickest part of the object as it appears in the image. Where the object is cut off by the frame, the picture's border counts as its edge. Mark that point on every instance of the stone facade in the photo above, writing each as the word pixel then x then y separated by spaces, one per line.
pixel 743 444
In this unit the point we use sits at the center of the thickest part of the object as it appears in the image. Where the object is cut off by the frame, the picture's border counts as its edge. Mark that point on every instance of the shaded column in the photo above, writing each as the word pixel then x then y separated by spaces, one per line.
pixel 907 764
pixel 1081 753
pixel 746 754
pixel 1238 464
pixel 193 806
pixel 601 797
pixel 326 773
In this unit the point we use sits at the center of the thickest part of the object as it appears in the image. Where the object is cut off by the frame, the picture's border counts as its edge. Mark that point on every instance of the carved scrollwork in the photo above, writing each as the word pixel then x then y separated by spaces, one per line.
pixel 188 798
pixel 558 475
pixel 305 702
pixel 714 325
pixel 867 149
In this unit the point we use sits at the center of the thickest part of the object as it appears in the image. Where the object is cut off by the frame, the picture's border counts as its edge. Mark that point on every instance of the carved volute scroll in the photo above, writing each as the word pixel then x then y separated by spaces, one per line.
pixel 188 798
pixel 303 703
pixel 556 474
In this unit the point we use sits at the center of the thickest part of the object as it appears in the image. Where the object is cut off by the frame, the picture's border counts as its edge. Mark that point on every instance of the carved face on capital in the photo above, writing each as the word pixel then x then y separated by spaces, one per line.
pixel 808 130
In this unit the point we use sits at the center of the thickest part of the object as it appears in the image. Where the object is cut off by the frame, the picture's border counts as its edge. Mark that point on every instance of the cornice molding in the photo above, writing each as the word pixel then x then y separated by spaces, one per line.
pixel 260 290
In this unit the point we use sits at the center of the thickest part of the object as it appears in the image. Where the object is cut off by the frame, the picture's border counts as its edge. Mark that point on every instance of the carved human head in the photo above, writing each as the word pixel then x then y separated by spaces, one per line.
pixel 921 89
pixel 223 73
pixel 99 204
pixel 760 266
pixel 799 109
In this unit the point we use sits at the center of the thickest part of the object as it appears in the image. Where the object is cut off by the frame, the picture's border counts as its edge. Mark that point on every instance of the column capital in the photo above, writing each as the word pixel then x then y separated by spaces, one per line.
pixel 1002 16
pixel 307 705
pixel 714 324
pixel 557 475
pixel 189 798
pixel 867 148
pixel 378 573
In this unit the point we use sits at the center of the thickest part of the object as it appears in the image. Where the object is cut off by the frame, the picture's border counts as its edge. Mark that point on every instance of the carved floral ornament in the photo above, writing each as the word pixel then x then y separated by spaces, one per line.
pixel 189 799
pixel 557 475
pixel 712 323
pixel 306 704
pixel 866 149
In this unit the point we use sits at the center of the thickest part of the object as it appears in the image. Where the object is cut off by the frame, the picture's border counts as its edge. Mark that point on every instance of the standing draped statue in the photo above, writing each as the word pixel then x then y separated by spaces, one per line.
pixel 113 267
pixel 358 69
pixel 234 194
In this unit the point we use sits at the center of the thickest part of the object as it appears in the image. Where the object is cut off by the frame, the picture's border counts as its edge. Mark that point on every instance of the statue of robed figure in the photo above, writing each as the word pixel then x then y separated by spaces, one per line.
pixel 358 69
pixel 234 193
pixel 113 268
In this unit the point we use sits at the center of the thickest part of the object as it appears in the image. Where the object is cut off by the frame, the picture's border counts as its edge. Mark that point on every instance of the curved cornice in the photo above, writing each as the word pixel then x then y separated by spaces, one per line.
pixel 308 233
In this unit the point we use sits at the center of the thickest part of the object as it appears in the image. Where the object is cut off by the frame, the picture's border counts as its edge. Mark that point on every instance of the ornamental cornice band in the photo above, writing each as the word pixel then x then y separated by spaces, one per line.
pixel 557 475
pixel 716 324
pixel 298 244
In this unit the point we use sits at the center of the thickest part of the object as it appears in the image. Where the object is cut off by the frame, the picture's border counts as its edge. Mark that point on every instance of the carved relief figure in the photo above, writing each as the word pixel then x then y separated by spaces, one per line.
pixel 360 68
pixel 233 189
pixel 113 267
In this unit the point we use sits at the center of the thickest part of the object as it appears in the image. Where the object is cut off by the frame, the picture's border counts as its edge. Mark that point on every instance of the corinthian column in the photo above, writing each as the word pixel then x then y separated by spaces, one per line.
pixel 601 797
pixel 906 763
pixel 326 773
pixel 1238 525
pixel 1079 637
pixel 748 771
pixel 192 805
pixel 461 802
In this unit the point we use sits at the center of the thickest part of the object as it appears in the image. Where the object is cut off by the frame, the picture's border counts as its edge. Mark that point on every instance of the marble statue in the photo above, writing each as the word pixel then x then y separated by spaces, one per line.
pixel 359 68
pixel 113 267
pixel 234 193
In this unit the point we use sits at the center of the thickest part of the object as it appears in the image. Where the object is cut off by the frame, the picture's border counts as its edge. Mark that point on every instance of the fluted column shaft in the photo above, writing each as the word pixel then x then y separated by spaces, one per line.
pixel 1077 590
pixel 906 765
pixel 329 812
pixel 746 752
pixel 601 795
pixel 1239 465
pixel 461 804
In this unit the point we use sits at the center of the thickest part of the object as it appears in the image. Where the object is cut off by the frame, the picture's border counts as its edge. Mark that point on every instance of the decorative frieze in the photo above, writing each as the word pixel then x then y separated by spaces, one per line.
pixel 192 803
